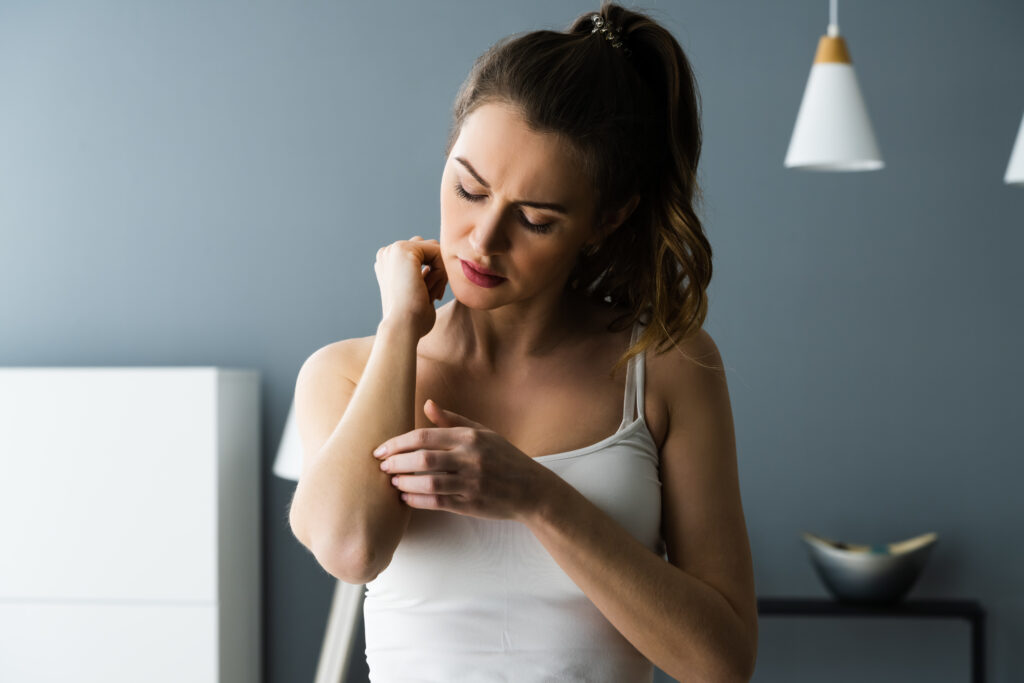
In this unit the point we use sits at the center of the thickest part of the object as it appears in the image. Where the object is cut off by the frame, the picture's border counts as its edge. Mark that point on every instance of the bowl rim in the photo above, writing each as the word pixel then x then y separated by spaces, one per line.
pixel 903 547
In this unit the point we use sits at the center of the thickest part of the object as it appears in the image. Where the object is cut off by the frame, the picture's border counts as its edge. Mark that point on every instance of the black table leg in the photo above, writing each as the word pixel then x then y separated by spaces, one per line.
pixel 978 648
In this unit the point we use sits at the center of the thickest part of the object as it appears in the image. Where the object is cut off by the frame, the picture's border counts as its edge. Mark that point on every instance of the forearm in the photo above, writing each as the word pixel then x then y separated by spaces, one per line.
pixel 355 515
pixel 681 624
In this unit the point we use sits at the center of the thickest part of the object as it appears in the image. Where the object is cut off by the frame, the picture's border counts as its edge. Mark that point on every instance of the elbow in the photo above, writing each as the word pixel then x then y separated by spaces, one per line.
pixel 293 524
pixel 722 670
pixel 736 668
pixel 745 676
pixel 735 675
pixel 752 655
pixel 337 559
pixel 746 673
pixel 743 660
pixel 739 668
pixel 355 566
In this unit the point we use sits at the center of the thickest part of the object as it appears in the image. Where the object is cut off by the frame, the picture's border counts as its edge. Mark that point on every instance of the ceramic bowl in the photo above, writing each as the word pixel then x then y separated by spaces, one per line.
pixel 872 574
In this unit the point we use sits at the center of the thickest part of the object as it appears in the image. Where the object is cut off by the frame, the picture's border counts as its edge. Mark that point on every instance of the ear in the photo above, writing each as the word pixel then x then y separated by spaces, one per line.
pixel 614 219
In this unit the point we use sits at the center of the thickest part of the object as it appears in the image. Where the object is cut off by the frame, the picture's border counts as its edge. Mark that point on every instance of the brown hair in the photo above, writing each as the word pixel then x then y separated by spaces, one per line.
pixel 633 120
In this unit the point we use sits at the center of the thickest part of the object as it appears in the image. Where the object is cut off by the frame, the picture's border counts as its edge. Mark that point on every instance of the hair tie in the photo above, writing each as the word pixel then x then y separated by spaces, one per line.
pixel 610 31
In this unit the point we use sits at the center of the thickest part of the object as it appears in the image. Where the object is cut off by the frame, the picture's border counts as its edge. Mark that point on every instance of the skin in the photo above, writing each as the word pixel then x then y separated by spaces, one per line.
pixel 502 328
pixel 694 616
pixel 501 335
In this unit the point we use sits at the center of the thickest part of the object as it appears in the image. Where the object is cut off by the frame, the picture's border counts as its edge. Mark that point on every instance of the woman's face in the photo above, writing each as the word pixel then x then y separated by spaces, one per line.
pixel 513 201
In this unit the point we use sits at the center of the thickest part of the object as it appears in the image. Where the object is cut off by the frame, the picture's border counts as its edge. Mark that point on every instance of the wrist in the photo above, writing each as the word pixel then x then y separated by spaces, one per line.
pixel 548 493
pixel 398 326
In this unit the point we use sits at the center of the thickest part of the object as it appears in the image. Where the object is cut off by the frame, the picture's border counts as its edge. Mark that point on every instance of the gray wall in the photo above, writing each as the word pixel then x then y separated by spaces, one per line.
pixel 192 183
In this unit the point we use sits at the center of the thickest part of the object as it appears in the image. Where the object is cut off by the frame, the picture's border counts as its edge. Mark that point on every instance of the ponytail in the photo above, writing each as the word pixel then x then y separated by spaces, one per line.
pixel 630 109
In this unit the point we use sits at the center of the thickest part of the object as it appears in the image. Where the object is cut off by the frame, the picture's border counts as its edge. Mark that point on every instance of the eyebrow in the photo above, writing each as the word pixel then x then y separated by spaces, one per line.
pixel 550 206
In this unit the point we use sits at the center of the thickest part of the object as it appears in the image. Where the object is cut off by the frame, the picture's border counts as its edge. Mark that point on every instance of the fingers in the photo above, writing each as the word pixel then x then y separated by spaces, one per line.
pixel 437 292
pixel 434 275
pixel 422 438
pixel 428 251
pixel 437 282
pixel 422 460
pixel 431 253
pixel 439 482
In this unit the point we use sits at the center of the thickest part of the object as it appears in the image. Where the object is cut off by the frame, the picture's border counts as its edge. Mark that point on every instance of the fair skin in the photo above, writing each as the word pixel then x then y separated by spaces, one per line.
pixel 494 352
pixel 514 176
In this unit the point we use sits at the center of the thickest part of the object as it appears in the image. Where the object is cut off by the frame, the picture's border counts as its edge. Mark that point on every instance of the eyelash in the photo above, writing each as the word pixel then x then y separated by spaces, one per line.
pixel 541 228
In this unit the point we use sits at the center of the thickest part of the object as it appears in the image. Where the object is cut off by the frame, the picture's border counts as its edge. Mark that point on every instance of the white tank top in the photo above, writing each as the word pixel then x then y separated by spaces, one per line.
pixel 481 600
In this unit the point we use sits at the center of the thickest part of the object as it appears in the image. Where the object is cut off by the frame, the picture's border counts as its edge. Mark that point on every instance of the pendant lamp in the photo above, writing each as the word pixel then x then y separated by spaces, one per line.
pixel 1015 169
pixel 832 131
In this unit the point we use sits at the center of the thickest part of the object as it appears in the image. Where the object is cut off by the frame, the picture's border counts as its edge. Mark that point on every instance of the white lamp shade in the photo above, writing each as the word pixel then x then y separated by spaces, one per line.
pixel 832 131
pixel 288 464
pixel 1015 169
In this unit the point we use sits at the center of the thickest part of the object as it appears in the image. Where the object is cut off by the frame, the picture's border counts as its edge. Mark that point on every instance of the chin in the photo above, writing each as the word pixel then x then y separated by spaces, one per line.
pixel 480 299
pixel 479 302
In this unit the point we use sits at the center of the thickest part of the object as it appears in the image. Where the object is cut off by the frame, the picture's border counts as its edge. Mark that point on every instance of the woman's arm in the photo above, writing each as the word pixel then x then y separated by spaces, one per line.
pixel 345 509
pixel 695 616
pixel 683 625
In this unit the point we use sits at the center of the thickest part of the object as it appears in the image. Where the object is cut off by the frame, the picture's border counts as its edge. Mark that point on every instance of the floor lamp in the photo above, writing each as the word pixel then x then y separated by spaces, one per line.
pixel 347 604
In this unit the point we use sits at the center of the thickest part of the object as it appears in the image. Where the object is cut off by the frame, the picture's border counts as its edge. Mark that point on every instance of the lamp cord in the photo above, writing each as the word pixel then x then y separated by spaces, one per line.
pixel 833 18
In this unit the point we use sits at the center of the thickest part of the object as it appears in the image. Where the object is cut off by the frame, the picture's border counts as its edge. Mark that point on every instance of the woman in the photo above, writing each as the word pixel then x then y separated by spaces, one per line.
pixel 507 529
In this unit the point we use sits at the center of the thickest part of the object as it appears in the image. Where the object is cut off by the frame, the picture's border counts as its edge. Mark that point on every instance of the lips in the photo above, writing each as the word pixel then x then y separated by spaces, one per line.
pixel 479 278
pixel 480 269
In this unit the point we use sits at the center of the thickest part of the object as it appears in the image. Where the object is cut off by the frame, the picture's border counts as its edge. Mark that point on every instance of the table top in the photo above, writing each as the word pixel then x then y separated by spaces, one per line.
pixel 784 605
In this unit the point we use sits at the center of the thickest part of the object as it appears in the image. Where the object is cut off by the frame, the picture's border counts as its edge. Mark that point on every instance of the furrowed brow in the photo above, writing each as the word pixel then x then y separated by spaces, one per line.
pixel 548 206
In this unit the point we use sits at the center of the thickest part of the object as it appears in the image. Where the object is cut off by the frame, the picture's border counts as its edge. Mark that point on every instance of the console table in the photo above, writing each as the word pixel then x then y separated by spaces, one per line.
pixel 938 609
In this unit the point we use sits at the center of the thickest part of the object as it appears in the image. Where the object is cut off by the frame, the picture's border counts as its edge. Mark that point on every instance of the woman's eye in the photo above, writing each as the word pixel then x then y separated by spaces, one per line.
pixel 461 191
pixel 535 227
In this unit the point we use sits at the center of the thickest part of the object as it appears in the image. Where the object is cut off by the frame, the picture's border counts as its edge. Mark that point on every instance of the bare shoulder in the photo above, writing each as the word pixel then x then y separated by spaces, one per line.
pixel 687 372
pixel 346 358
pixel 696 353
pixel 324 386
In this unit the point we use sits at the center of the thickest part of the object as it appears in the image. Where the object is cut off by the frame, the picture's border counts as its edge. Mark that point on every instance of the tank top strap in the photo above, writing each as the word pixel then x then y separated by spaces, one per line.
pixel 641 361
pixel 634 394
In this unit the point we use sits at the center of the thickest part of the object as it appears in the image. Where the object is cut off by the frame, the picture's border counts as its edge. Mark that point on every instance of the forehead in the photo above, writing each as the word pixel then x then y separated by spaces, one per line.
pixel 508 154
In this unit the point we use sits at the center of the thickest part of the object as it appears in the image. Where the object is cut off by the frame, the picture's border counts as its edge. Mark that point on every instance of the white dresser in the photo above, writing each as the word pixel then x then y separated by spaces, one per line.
pixel 129 525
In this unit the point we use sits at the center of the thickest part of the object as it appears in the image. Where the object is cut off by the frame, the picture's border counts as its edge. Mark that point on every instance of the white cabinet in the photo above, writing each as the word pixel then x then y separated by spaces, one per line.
pixel 129 525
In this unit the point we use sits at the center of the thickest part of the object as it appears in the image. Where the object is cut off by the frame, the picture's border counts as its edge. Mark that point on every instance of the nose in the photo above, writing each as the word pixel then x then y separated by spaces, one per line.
pixel 489 236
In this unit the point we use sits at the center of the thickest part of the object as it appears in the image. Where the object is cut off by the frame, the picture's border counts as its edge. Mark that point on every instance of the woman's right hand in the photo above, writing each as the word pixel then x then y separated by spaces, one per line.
pixel 411 277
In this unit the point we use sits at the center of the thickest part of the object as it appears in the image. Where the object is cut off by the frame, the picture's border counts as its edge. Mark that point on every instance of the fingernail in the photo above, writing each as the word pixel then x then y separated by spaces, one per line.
pixel 381 450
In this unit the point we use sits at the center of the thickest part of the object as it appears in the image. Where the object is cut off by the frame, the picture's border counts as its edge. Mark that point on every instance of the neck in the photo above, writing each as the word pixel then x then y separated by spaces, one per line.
pixel 508 337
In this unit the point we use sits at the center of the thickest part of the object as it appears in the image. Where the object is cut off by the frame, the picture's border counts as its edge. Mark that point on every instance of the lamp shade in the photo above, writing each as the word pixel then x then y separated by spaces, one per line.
pixel 1015 169
pixel 288 464
pixel 832 131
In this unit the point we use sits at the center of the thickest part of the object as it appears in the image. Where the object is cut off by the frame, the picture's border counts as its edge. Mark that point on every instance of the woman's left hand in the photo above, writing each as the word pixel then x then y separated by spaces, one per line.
pixel 464 467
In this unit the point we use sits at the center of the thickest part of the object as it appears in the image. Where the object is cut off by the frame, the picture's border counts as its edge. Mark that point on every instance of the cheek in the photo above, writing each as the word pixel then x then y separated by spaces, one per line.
pixel 456 218
pixel 449 208
pixel 449 219
pixel 449 233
